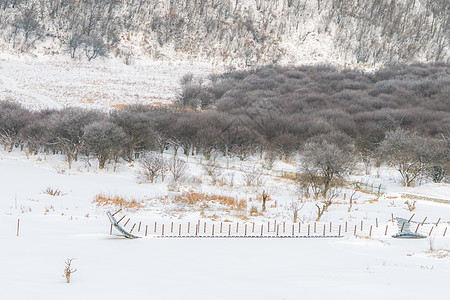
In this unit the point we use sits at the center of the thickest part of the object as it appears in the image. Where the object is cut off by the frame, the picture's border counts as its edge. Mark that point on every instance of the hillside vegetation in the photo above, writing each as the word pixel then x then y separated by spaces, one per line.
pixel 400 112
pixel 231 32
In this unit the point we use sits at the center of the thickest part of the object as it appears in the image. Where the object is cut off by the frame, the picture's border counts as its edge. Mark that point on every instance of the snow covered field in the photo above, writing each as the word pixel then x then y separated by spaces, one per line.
pixel 43 82
pixel 54 228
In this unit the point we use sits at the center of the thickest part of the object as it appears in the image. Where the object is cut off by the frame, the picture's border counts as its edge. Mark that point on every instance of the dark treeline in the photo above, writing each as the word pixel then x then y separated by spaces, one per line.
pixel 270 111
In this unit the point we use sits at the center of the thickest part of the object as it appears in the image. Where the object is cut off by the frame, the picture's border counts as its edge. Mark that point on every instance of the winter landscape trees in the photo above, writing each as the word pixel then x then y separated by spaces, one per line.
pixel 397 115
pixel 243 33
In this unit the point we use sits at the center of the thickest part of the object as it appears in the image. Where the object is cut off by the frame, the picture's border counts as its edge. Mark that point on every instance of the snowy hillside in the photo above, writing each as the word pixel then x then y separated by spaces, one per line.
pixel 231 33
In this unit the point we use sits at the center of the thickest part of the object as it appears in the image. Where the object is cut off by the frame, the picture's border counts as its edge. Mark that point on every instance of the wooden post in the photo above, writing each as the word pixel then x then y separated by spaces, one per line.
pixel 262 228
pixel 339 230
pixel 361 225
pixel 171 227
pixel 284 227
pixel 139 227
pixel 403 225
pixel 204 227
pixel 330 226
pixel 345 226
pixel 275 225
pixel 245 231
pixel 110 229
pixel 411 218
pixel 18 225
pixel 229 229
pixel 212 230
pixel 376 222
pixel 155 227
pixel 385 232
pixel 237 227
pixel 189 227
pixel 423 222
pixel 117 212
pixel 120 219
pixel 437 223
pixel 314 227
pixel 126 222
pixel 355 231
pixel 220 227
pixel 146 227
pixel 179 230
pixel 253 227
pixel 196 229
pixel 293 230
pixel 324 229
pixel 431 230
pixel 370 233
pixel 417 228
pixel 268 226
pixel 277 229
pixel 299 227
pixel 162 230
pixel 309 227
pixel 132 227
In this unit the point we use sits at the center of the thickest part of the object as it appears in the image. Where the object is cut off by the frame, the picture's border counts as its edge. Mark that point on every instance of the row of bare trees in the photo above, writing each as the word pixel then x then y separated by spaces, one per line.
pixel 397 114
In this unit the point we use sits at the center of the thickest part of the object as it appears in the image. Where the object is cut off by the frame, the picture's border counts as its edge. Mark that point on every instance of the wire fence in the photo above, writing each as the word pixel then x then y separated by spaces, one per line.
pixel 275 229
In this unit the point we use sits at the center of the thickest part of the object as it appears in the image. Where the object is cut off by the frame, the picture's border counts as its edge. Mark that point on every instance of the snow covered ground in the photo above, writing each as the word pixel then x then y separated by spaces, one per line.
pixel 43 82
pixel 54 228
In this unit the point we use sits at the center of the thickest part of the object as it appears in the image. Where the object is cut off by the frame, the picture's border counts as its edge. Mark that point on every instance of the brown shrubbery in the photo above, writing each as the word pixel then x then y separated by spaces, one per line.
pixel 193 198
pixel 115 200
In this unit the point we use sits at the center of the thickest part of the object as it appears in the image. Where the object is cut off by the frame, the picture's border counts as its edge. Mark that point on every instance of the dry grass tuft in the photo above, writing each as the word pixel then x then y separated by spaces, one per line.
pixel 254 211
pixel 201 199
pixel 104 200
pixel 53 192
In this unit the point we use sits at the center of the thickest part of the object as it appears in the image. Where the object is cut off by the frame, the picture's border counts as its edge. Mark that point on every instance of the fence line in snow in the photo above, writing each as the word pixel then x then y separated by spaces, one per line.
pixel 276 229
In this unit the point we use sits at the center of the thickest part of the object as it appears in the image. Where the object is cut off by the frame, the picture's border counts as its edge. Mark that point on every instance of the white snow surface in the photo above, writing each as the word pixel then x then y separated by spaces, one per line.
pixel 46 82
pixel 53 229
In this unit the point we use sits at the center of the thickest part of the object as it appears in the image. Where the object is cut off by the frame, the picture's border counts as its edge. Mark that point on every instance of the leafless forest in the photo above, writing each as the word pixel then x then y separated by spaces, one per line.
pixel 240 33
pixel 398 115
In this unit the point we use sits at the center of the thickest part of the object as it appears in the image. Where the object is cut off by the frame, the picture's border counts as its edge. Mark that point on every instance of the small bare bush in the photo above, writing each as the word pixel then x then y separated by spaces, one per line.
pixel 68 269
pixel 249 179
pixel 254 211
pixel 411 206
pixel 53 192
pixel 213 170
pixel 105 200
pixel 254 178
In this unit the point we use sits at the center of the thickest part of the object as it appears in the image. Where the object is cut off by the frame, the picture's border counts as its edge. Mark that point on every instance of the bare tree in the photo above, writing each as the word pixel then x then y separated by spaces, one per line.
pixel 327 161
pixel 94 47
pixel 294 207
pixel 326 203
pixel 351 200
pixel 152 166
pixel 68 271
pixel 213 170
pixel 178 168
pixel 265 197
pixel 106 141
pixel 409 153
